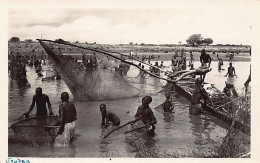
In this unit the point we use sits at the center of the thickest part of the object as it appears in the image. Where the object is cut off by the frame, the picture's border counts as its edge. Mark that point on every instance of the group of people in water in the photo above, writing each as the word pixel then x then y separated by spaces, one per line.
pixel 16 68
pixel 68 113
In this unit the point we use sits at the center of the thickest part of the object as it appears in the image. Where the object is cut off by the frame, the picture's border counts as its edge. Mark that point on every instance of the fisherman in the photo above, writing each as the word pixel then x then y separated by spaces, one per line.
pixel 168 105
pixel 231 71
pixel 220 63
pixel 155 69
pixel 161 64
pixel 199 93
pixel 108 116
pixel 191 57
pixel 191 66
pixel 231 56
pixel 230 90
pixel 67 118
pixel 95 62
pixel 182 64
pixel 145 113
pixel 40 100
pixel 205 58
pixel 174 64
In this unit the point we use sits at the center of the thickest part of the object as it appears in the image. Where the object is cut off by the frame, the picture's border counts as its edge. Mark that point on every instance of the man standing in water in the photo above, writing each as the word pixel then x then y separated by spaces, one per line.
pixel 174 64
pixel 168 105
pixel 145 113
pixel 199 93
pixel 67 118
pixel 191 57
pixel 231 71
pixel 230 90
pixel 220 63
pixel 40 100
pixel 205 58
pixel 108 116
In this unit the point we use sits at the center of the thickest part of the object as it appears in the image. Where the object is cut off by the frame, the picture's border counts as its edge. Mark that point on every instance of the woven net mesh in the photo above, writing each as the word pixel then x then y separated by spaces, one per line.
pixel 34 131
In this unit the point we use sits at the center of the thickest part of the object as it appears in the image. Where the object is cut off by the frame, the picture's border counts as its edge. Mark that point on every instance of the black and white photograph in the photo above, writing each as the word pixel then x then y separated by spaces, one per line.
pixel 129 79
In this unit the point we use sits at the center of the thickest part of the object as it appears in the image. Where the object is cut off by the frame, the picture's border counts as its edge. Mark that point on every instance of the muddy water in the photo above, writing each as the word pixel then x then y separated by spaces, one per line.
pixel 177 132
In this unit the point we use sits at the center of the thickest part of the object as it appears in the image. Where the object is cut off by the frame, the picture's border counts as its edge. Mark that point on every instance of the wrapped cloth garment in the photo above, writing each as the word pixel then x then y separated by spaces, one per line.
pixel 66 137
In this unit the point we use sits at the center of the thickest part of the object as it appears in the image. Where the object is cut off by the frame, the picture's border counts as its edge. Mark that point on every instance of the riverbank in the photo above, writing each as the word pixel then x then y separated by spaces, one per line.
pixel 160 52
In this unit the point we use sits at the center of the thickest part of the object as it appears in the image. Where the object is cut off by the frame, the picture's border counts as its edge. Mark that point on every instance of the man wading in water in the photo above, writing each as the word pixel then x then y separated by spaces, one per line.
pixel 40 100
pixel 205 58
pixel 231 71
pixel 145 113
pixel 108 116
pixel 199 93
pixel 168 105
pixel 67 118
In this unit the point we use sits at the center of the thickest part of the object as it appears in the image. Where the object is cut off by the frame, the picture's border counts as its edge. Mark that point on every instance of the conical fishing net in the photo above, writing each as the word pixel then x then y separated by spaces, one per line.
pixel 35 130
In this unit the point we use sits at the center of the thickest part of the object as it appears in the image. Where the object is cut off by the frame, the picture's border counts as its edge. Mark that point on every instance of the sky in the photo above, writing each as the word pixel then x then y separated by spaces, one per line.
pixel 225 22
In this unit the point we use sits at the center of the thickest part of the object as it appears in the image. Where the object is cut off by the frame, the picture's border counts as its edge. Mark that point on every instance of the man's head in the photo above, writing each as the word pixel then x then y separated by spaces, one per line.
pixel 103 108
pixel 198 81
pixel 230 64
pixel 147 100
pixel 38 91
pixel 64 96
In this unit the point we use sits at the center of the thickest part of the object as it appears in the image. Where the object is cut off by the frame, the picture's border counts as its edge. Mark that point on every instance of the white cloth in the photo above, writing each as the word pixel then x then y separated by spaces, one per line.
pixel 65 138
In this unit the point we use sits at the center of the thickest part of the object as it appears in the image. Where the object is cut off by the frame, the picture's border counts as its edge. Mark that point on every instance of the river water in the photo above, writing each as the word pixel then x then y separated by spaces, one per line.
pixel 180 132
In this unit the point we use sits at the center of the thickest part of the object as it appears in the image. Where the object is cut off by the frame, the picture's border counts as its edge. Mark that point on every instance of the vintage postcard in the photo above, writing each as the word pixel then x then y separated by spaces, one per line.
pixel 129 79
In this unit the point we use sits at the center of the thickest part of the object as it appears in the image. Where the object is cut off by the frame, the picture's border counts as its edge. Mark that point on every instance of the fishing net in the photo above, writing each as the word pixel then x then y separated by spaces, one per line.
pixel 114 131
pixel 114 75
pixel 34 131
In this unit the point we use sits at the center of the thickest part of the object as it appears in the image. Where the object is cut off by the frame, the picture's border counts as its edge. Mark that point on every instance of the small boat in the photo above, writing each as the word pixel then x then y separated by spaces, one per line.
pixel 35 130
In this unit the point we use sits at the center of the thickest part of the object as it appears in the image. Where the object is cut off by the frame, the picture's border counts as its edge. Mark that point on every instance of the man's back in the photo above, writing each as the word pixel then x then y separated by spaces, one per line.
pixel 112 117
pixel 41 104
pixel 197 95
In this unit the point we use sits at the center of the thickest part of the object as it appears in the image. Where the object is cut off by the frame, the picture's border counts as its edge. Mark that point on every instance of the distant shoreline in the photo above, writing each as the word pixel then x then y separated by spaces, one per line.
pixel 161 53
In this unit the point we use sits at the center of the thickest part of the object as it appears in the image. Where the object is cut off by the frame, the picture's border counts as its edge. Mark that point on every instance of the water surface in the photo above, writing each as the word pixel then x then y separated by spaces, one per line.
pixel 179 131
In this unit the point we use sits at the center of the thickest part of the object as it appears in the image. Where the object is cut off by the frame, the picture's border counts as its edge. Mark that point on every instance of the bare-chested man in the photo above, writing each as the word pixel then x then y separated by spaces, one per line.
pixel 205 58
pixel 67 118
pixel 231 71
pixel 168 105
pixel 199 93
pixel 40 100
pixel 108 116
pixel 145 113
pixel 174 64
pixel 230 90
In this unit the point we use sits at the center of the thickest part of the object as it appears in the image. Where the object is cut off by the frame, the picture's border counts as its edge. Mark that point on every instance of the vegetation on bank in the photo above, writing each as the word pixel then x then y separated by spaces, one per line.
pixel 161 52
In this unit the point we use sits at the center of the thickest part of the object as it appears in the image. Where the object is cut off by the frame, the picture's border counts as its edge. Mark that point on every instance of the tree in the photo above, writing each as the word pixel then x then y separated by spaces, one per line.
pixel 131 43
pixel 14 39
pixel 61 41
pixel 28 40
pixel 207 41
pixel 194 39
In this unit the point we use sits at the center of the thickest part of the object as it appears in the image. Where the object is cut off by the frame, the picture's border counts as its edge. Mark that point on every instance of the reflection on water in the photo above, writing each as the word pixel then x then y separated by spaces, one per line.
pixel 177 131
